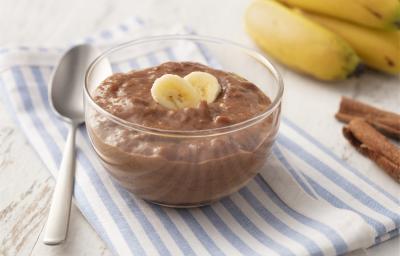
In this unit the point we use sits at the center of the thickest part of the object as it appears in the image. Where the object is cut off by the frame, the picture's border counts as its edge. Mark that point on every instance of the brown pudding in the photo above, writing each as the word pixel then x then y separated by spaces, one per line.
pixel 181 170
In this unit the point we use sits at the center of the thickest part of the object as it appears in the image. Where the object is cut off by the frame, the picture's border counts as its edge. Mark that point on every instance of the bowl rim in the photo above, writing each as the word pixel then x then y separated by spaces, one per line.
pixel 188 133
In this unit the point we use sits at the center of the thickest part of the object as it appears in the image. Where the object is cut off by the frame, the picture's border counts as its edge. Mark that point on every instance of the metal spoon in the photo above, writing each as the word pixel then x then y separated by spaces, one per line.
pixel 66 98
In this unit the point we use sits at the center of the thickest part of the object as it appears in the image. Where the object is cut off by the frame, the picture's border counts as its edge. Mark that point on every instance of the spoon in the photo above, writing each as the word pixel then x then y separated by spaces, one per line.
pixel 66 99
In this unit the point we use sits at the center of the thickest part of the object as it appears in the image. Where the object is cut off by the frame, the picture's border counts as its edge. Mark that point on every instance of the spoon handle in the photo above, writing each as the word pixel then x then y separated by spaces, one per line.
pixel 57 221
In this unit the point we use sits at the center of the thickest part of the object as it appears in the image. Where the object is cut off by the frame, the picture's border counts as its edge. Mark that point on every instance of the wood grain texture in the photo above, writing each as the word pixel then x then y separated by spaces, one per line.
pixel 26 185
pixel 23 191
pixel 26 214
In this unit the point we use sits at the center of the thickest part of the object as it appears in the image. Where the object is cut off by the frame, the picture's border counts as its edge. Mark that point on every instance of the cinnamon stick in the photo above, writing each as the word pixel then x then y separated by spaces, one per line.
pixel 386 122
pixel 371 143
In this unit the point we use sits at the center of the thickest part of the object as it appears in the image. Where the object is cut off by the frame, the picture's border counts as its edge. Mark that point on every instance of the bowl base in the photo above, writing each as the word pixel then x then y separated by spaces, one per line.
pixel 194 205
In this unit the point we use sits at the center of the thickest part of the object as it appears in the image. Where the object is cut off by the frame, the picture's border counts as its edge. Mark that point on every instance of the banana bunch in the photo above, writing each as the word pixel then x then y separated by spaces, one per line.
pixel 380 14
pixel 175 92
pixel 328 39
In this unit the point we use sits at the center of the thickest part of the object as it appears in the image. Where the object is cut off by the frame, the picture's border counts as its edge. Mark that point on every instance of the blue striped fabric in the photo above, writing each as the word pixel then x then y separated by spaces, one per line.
pixel 313 204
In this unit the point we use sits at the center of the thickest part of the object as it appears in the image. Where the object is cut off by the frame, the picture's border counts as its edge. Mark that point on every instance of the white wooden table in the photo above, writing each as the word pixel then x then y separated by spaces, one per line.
pixel 26 185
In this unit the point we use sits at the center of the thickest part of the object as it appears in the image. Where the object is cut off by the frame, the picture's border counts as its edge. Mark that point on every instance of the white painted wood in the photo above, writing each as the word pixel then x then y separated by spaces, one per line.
pixel 26 185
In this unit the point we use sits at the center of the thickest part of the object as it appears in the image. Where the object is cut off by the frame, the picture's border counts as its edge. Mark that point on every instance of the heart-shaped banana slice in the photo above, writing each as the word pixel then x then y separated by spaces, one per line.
pixel 205 84
pixel 174 92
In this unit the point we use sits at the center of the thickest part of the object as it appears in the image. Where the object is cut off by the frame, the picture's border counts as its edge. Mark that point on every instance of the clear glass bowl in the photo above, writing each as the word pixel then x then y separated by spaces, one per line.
pixel 184 168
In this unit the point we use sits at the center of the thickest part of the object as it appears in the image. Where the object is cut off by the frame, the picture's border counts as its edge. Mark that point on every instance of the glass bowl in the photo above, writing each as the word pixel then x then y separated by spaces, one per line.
pixel 183 168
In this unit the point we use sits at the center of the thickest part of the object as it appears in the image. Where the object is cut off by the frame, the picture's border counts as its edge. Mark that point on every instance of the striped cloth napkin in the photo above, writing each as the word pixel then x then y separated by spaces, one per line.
pixel 311 204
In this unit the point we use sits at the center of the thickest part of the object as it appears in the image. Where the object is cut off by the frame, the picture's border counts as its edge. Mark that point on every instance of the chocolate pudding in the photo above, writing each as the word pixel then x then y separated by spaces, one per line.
pixel 187 156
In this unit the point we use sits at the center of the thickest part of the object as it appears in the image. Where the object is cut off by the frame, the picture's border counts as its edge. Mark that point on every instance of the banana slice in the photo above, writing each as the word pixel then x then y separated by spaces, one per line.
pixel 205 84
pixel 174 92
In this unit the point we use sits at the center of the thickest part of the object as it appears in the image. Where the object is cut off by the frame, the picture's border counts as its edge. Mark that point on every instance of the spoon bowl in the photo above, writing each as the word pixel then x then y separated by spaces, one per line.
pixel 66 86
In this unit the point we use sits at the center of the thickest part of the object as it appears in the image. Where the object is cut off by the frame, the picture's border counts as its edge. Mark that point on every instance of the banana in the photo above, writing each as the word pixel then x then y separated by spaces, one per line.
pixel 377 48
pixel 298 42
pixel 206 85
pixel 383 14
pixel 174 92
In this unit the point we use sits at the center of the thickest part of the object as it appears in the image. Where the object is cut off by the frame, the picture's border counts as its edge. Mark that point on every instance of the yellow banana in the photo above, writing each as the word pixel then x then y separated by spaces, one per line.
pixel 298 42
pixel 378 49
pixel 373 13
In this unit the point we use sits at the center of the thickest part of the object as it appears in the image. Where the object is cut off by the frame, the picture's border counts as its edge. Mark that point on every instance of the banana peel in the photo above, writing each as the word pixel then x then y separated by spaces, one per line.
pixel 380 14
pixel 300 43
pixel 378 49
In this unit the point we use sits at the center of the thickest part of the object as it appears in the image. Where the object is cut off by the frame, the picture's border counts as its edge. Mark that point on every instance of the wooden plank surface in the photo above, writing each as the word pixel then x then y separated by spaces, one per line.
pixel 26 185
